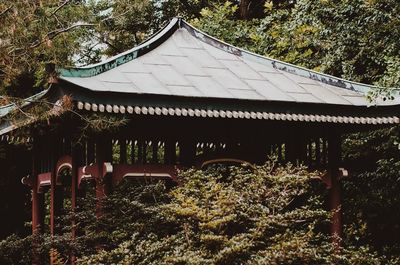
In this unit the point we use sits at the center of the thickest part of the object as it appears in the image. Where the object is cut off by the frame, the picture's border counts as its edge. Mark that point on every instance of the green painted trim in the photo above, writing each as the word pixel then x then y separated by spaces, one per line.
pixel 92 71
pixel 4 110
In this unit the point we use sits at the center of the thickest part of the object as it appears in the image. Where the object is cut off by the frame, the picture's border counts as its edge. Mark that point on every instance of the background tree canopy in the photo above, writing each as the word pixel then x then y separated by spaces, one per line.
pixel 356 40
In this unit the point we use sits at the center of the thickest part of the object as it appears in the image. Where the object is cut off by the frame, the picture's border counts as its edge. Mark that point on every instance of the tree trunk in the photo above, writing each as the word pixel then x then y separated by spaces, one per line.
pixel 249 9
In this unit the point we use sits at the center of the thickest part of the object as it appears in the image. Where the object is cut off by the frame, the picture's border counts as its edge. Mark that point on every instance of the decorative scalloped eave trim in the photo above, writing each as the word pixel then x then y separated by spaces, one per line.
pixel 233 114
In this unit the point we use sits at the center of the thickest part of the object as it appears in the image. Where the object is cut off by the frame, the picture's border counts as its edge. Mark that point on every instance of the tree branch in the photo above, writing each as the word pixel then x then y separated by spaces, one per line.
pixel 6 10
pixel 54 33
pixel 59 7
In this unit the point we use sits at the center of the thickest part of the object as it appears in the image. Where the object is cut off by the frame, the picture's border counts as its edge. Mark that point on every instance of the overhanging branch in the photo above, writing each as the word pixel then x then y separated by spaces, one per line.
pixel 59 7
pixel 55 33
pixel 6 10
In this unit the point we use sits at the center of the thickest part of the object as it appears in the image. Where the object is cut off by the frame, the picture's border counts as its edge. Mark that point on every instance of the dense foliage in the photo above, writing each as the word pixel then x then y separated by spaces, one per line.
pixel 224 215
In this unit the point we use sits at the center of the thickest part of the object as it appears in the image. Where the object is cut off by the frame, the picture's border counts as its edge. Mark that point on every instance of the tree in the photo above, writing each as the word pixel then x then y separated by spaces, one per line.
pixel 35 33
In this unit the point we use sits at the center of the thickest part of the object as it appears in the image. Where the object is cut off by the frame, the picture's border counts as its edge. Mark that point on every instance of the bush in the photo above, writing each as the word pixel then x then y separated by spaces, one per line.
pixel 223 215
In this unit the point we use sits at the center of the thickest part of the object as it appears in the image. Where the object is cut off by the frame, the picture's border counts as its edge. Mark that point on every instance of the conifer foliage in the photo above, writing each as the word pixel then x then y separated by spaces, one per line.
pixel 223 215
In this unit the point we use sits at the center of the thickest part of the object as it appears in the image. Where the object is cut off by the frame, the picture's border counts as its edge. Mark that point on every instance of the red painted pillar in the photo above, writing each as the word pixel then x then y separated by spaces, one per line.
pixel 37 201
pixel 35 217
pixel 35 208
pixel 76 155
pixel 102 184
pixel 52 204
pixel 56 203
pixel 334 158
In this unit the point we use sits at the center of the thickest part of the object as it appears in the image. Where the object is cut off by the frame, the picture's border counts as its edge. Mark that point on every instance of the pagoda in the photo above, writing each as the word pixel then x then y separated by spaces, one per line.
pixel 188 100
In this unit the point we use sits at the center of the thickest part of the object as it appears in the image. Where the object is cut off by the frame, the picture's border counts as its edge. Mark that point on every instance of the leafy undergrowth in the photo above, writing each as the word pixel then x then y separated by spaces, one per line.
pixel 223 215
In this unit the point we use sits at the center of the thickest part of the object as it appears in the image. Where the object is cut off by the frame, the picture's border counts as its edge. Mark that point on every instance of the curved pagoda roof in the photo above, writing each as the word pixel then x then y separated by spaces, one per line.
pixel 182 61
pixel 181 71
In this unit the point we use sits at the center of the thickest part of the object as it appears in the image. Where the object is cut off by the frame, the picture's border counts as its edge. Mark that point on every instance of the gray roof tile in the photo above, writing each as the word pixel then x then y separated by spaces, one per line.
pixel 168 75
pixel 189 63
pixel 226 78
pixel 202 58
pixel 147 83
pixel 184 65
pixel 188 91
pixel 283 83
pixel 246 94
pixel 184 40
pixel 305 97
pixel 218 53
pixel 241 69
pixel 268 90
pixel 209 87
pixel 324 95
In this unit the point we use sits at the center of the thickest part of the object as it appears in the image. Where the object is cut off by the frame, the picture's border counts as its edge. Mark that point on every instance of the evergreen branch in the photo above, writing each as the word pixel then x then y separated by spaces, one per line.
pixel 59 7
pixel 55 33
pixel 6 10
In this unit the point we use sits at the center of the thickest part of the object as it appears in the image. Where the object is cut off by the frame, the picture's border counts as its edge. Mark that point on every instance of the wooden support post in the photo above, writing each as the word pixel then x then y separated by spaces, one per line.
pixel 334 157
pixel 170 152
pixel 108 148
pixel 52 202
pixel 56 192
pixel 90 153
pixel 35 196
pixel 324 151
pixel 102 184
pixel 76 160
pixel 122 151
pixel 56 200
pixel 310 153
pixel 290 151
pixel 144 152
pixel 140 158
pixel 301 150
pixel 318 151
pixel 280 156
pixel 154 158
pixel 37 204
pixel 187 153
pixel 132 152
